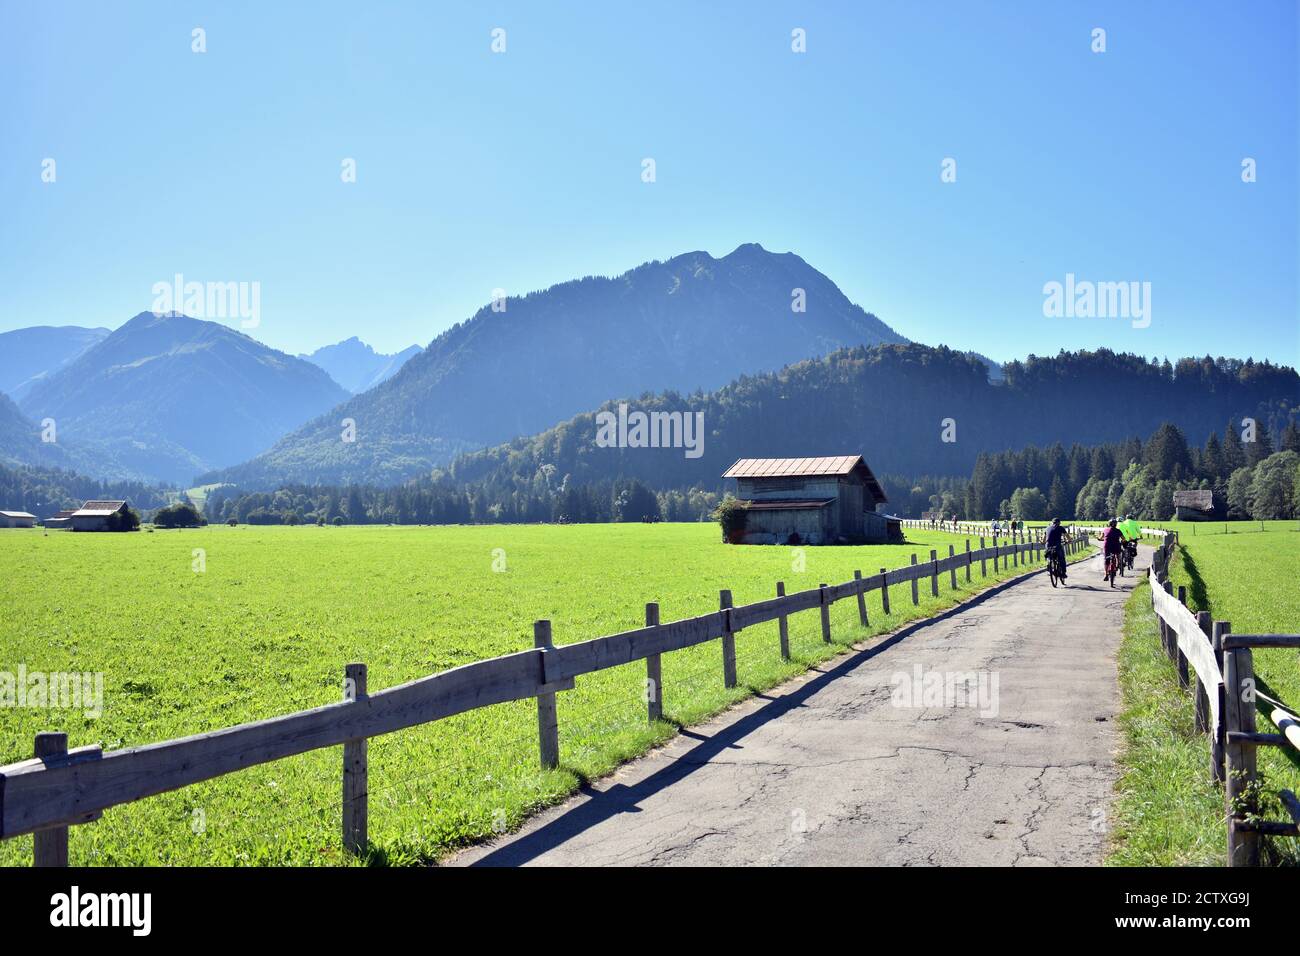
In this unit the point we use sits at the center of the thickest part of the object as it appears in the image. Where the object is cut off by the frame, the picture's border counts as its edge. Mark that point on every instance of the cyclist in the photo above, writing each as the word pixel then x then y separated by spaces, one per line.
pixel 1053 546
pixel 1112 543
pixel 1132 532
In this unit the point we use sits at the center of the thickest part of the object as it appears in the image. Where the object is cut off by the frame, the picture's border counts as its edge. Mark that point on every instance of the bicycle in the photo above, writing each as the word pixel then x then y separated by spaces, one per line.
pixel 1113 563
pixel 1056 566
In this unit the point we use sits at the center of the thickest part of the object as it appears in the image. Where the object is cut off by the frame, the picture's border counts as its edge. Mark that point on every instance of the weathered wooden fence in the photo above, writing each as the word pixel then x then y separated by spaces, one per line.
pixel 1226 704
pixel 1024 534
pixel 59 787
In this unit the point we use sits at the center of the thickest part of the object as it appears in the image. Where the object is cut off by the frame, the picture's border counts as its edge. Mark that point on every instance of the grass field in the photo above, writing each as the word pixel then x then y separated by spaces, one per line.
pixel 267 627
pixel 1168 812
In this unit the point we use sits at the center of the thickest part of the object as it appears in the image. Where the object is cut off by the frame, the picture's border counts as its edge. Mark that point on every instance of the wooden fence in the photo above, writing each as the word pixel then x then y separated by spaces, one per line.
pixel 59 787
pixel 1226 705
pixel 1026 534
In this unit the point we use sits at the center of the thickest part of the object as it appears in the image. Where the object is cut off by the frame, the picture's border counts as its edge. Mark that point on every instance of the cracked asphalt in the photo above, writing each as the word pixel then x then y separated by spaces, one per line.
pixel 834 768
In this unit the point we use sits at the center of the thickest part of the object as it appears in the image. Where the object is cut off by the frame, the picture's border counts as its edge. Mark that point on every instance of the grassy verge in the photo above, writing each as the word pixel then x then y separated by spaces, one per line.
pixel 1168 812
pixel 1248 579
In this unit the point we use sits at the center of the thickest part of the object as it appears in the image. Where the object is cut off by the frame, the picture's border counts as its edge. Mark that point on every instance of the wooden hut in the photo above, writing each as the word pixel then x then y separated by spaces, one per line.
pixel 831 500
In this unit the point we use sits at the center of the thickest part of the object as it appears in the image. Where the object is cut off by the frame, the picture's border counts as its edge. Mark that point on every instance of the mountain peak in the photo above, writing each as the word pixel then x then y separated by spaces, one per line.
pixel 356 365
pixel 142 390
pixel 748 250
pixel 691 322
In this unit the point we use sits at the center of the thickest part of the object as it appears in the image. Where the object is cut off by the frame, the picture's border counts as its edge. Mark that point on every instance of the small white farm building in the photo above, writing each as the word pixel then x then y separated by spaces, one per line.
pixel 94 515
pixel 17 519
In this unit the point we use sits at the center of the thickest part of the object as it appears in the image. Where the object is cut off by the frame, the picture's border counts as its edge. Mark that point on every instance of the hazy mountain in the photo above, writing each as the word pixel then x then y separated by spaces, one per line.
pixel 995 368
pixel 28 355
pixel 169 396
pixel 21 443
pixel 890 403
pixel 693 322
pixel 20 440
pixel 356 366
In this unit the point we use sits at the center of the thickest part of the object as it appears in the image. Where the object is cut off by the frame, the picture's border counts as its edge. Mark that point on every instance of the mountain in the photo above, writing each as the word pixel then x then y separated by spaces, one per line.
pixel 20 440
pixel 693 322
pixel 22 444
pixel 995 368
pixel 168 396
pixel 890 403
pixel 356 366
pixel 28 355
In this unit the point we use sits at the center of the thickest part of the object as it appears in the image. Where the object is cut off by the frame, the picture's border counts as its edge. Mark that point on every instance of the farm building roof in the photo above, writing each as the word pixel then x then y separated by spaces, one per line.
pixel 788 504
pixel 93 509
pixel 17 514
pixel 828 467
pixel 1200 499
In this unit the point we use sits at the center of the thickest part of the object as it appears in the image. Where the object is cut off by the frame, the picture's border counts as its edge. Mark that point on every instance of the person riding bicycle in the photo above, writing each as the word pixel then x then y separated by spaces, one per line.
pixel 1131 528
pixel 1112 545
pixel 1132 532
pixel 1052 545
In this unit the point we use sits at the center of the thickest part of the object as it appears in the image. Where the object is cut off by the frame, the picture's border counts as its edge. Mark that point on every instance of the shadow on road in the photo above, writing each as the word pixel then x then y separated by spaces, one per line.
pixel 602 805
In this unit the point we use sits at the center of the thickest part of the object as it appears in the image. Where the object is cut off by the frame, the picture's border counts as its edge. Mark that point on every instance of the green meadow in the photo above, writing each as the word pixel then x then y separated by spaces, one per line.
pixel 196 630
pixel 1168 813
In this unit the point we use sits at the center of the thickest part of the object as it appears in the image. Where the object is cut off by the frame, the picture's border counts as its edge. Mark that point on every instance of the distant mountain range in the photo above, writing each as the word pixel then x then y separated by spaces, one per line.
pixel 693 322
pixel 891 403
pixel 168 397
pixel 356 366
pixel 29 355
pixel 780 361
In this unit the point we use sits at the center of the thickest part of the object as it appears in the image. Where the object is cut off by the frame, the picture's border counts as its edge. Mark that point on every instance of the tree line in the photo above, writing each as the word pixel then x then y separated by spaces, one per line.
pixel 47 491
pixel 440 501
pixel 1251 473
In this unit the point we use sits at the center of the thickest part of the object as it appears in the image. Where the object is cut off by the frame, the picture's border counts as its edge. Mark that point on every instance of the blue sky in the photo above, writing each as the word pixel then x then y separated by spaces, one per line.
pixel 478 171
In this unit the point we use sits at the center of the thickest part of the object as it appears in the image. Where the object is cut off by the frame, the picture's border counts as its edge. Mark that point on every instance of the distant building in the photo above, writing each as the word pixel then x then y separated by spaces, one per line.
pixel 1196 505
pixel 62 520
pixel 94 515
pixel 811 501
pixel 17 519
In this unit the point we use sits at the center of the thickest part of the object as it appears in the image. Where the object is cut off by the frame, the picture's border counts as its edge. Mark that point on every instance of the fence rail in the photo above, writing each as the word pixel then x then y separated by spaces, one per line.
pixel 986 528
pixel 59 788
pixel 1226 695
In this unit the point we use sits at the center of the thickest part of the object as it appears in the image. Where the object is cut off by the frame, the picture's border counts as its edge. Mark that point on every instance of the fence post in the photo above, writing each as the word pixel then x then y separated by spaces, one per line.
pixel 952 567
pixel 968 560
pixel 1218 755
pixel 548 725
pixel 995 556
pixel 356 771
pixel 50 847
pixel 984 571
pixel 1243 845
pixel 728 641
pixel 884 590
pixel 783 625
pixel 654 675
pixel 862 599
pixel 826 613
pixel 934 573
pixel 916 598
pixel 1183 677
